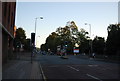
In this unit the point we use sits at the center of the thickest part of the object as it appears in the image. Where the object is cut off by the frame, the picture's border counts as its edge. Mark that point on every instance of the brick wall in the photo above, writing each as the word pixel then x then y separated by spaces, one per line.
pixel 8 23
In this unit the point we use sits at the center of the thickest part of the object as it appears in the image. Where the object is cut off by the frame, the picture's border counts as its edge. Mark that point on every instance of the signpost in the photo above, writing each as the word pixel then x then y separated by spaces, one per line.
pixel 75 50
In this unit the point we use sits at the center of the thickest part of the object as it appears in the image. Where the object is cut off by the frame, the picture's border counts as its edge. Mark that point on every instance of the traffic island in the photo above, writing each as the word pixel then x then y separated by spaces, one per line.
pixel 64 57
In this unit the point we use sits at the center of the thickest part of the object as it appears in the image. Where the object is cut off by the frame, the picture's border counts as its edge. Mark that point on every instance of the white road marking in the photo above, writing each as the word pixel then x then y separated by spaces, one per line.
pixel 93 77
pixel 73 68
pixel 92 65
pixel 44 78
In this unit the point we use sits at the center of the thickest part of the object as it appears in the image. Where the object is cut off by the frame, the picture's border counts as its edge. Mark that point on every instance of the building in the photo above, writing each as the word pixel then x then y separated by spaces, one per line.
pixel 118 12
pixel 7 23
pixel 15 28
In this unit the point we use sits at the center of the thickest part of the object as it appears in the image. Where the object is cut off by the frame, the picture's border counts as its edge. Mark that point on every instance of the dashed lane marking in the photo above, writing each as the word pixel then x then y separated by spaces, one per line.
pixel 73 68
pixel 92 65
pixel 93 77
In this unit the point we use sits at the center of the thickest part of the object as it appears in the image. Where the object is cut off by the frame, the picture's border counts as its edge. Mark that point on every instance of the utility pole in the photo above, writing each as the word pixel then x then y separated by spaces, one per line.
pixel 35 26
pixel 90 41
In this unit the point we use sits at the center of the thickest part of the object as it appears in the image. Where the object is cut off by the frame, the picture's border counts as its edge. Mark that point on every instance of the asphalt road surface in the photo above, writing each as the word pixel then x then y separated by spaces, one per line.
pixel 73 68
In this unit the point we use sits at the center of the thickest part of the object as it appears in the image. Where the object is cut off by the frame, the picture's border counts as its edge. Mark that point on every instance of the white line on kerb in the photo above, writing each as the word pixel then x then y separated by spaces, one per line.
pixel 44 78
pixel 93 77
pixel 73 68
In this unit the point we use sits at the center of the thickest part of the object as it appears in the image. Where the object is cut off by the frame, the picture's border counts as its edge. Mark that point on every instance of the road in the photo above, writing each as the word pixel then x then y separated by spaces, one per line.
pixel 73 68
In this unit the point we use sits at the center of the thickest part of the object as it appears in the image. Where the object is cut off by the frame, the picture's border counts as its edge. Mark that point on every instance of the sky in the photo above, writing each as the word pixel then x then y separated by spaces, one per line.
pixel 56 14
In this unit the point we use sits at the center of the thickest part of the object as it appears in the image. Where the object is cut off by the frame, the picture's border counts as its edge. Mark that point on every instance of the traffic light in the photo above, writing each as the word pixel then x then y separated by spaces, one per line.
pixel 32 38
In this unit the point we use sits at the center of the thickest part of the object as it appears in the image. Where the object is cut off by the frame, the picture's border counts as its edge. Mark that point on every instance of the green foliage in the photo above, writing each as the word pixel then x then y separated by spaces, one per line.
pixel 20 35
pixel 98 45
pixel 43 47
pixel 69 34
pixel 51 41
pixel 27 45
pixel 20 38
pixel 83 41
pixel 113 39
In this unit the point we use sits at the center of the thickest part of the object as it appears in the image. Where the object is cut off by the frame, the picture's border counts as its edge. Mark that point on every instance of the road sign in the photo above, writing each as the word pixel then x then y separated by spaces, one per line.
pixel 76 50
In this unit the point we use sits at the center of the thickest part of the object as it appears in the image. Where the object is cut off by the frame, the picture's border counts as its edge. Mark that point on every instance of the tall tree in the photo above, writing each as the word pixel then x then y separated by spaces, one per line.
pixel 98 45
pixel 27 45
pixel 113 44
pixel 51 41
pixel 20 38
pixel 83 41
pixel 43 47
pixel 68 34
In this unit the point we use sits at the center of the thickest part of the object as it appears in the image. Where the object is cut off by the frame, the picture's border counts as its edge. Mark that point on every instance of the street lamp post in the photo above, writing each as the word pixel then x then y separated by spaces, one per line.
pixel 37 40
pixel 89 29
pixel 35 26
pixel 33 37
pixel 90 42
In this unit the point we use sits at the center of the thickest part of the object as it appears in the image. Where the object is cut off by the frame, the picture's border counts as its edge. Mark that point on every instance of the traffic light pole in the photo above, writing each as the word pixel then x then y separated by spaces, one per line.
pixel 31 51
pixel 31 57
pixel 32 44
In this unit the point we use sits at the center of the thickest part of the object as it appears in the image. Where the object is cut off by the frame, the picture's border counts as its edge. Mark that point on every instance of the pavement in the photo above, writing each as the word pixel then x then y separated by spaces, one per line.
pixel 22 68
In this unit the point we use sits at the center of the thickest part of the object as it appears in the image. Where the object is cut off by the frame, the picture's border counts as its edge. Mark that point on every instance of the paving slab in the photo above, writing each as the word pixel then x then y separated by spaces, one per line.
pixel 21 69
